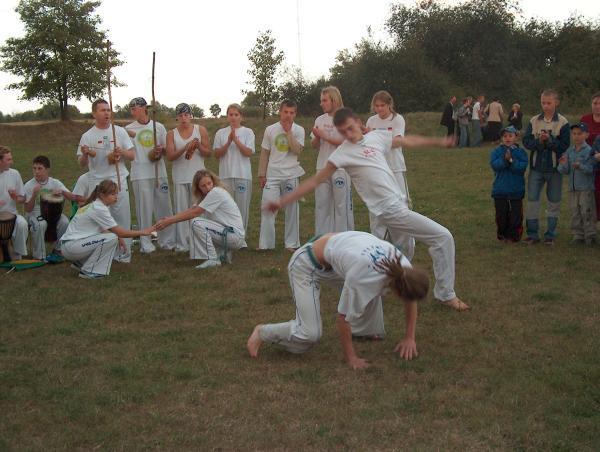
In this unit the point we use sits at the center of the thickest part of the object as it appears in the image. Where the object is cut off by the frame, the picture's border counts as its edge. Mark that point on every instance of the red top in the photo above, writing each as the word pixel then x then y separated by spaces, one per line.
pixel 593 126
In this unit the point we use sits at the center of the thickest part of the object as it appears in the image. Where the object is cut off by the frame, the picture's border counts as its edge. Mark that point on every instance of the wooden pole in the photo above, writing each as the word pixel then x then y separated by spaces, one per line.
pixel 112 122
pixel 154 120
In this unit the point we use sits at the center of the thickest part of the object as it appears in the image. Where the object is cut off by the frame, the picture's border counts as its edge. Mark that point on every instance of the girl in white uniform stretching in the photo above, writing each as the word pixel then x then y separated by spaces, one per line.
pixel 363 156
pixel 387 119
pixel 366 267
pixel 217 226
pixel 92 238
pixel 187 146
pixel 233 146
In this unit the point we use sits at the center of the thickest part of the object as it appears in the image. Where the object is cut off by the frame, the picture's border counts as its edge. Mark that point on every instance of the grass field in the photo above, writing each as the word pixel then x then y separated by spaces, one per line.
pixel 154 356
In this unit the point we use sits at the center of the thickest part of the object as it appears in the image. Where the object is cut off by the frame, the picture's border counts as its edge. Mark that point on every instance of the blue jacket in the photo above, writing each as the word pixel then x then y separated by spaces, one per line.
pixel 509 180
pixel 582 178
pixel 545 156
pixel 596 150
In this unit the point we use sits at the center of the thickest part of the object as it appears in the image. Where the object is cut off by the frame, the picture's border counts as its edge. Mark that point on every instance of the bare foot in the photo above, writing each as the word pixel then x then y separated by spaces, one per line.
pixel 254 342
pixel 456 304
pixel 291 250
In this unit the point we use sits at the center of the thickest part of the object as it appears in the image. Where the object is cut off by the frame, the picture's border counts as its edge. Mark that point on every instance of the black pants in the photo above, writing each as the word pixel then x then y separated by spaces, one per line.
pixel 450 128
pixel 509 218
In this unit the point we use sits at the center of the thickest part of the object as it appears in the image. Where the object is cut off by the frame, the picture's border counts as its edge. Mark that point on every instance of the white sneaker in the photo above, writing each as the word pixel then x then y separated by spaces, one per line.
pixel 209 263
pixel 89 275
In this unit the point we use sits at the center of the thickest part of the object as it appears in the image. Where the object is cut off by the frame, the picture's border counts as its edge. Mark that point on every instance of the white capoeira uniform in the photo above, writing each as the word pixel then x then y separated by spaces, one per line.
pixel 235 170
pixel 87 242
pixel 219 230
pixel 376 185
pixel 101 141
pixel 37 225
pixel 333 198
pixel 283 176
pixel 183 175
pixel 10 179
pixel 83 187
pixel 351 256
pixel 152 198
pixel 395 125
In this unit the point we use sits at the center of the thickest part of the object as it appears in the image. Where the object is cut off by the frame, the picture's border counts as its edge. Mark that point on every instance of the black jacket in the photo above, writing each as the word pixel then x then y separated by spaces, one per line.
pixel 447 115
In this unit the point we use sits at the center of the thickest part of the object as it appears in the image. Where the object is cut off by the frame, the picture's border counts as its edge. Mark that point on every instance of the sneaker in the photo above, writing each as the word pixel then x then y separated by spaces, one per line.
pixel 531 241
pixel 89 275
pixel 209 263
pixel 75 266
pixel 549 242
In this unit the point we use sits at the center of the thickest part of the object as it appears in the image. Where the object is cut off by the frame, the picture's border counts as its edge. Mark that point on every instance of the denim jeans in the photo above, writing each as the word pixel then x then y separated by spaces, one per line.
pixel 464 136
pixel 535 184
pixel 476 136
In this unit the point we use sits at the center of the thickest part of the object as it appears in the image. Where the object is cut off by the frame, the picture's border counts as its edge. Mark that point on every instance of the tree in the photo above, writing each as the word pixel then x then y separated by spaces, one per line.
pixel 264 60
pixel 62 55
pixel 197 112
pixel 215 110
pixel 306 93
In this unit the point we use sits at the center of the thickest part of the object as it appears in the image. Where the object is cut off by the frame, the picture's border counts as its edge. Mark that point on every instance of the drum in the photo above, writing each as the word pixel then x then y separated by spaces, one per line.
pixel 51 208
pixel 7 227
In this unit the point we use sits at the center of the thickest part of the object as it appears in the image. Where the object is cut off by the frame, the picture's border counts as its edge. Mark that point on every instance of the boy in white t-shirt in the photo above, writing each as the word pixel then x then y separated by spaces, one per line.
pixel 98 152
pixel 363 156
pixel 40 185
pixel 233 146
pixel 149 178
pixel 11 194
pixel 279 172
pixel 333 198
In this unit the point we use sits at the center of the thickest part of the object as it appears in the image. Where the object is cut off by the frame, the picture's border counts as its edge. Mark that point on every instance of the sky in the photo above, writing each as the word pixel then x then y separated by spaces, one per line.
pixel 201 46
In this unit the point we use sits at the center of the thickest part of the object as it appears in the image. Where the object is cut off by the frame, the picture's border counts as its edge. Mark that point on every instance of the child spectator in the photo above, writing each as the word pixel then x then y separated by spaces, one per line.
pixel 509 163
pixel 578 163
pixel 547 137
pixel 464 116
pixel 592 121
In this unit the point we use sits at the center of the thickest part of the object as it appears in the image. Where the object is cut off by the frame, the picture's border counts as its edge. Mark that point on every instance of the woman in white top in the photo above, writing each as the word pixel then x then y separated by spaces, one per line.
pixel 366 267
pixel 93 236
pixel 187 146
pixel 387 119
pixel 217 225
pixel 233 146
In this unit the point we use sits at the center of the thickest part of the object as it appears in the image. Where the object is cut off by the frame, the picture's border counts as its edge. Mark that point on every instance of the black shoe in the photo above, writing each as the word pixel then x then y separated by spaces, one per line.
pixel 531 241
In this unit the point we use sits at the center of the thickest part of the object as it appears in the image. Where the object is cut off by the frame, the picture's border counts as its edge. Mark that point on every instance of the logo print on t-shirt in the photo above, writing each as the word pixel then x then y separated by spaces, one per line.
pixel 281 143
pixel 368 152
pixel 376 254
pixel 146 138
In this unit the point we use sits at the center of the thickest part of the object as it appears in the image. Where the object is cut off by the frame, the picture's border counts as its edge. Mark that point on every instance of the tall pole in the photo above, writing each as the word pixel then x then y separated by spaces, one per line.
pixel 112 122
pixel 154 120
pixel 298 27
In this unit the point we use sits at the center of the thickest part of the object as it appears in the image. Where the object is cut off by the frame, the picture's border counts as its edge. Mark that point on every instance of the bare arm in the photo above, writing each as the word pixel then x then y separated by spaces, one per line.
pixel 245 150
pixel 188 214
pixel 221 151
pixel 127 233
pixel 408 346
pixel 204 147
pixel 419 141
pixel 345 332
pixel 29 205
pixel 129 154
pixel 172 153
pixel 295 147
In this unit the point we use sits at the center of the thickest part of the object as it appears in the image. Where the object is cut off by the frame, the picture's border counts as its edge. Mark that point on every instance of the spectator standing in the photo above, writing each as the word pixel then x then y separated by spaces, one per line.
pixel 448 116
pixel 476 132
pixel 464 116
pixel 592 121
pixel 495 117
pixel 515 117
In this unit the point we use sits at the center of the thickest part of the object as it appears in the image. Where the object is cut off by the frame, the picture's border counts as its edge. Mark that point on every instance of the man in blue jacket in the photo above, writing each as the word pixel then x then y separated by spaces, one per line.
pixel 547 137
pixel 509 163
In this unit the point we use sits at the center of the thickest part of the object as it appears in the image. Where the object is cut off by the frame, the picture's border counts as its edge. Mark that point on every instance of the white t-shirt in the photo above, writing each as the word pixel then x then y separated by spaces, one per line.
pixel 325 124
pixel 84 186
pixel 283 164
pixel 476 109
pixel 234 164
pixel 49 187
pixel 371 175
pixel 10 179
pixel 353 256
pixel 101 141
pixel 220 207
pixel 184 170
pixel 91 219
pixel 142 167
pixel 395 125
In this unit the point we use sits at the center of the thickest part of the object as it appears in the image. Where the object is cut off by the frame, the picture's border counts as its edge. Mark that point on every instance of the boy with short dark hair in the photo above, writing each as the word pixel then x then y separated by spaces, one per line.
pixel 547 137
pixel 11 194
pixel 578 163
pixel 509 163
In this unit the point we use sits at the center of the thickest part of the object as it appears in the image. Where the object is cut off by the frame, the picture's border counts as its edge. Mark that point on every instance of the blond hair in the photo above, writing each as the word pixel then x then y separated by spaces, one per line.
pixel 198 177
pixel 334 94
pixel 106 187
pixel 550 93
pixel 235 106
pixel 386 98
pixel 3 151
pixel 410 284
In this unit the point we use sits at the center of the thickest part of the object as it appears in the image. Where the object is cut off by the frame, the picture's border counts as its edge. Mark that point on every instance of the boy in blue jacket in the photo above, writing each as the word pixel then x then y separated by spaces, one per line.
pixel 578 162
pixel 509 163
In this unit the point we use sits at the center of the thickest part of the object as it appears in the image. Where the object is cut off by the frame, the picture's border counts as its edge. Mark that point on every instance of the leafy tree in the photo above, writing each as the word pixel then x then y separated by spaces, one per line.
pixel 62 55
pixel 215 110
pixel 264 61
pixel 306 93
pixel 197 112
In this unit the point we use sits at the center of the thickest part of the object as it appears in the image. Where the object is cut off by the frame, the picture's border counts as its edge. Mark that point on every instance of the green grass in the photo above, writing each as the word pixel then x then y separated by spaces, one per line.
pixel 154 356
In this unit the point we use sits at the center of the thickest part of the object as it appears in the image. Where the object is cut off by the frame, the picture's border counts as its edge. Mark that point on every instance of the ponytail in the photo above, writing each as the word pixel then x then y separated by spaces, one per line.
pixel 411 284
pixel 106 187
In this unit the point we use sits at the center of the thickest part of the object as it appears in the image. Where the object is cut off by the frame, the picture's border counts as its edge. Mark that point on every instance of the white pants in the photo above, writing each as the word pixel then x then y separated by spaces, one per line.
pixel 212 240
pixel 150 201
pixel 19 236
pixel 241 190
pixel 300 334
pixel 93 254
pixel 182 197
pixel 37 230
pixel 406 243
pixel 400 221
pixel 333 204
pixel 121 212
pixel 273 190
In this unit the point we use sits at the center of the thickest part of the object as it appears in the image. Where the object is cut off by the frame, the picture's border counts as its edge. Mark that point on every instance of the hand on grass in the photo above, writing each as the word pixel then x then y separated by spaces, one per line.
pixel 357 363
pixel 407 349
